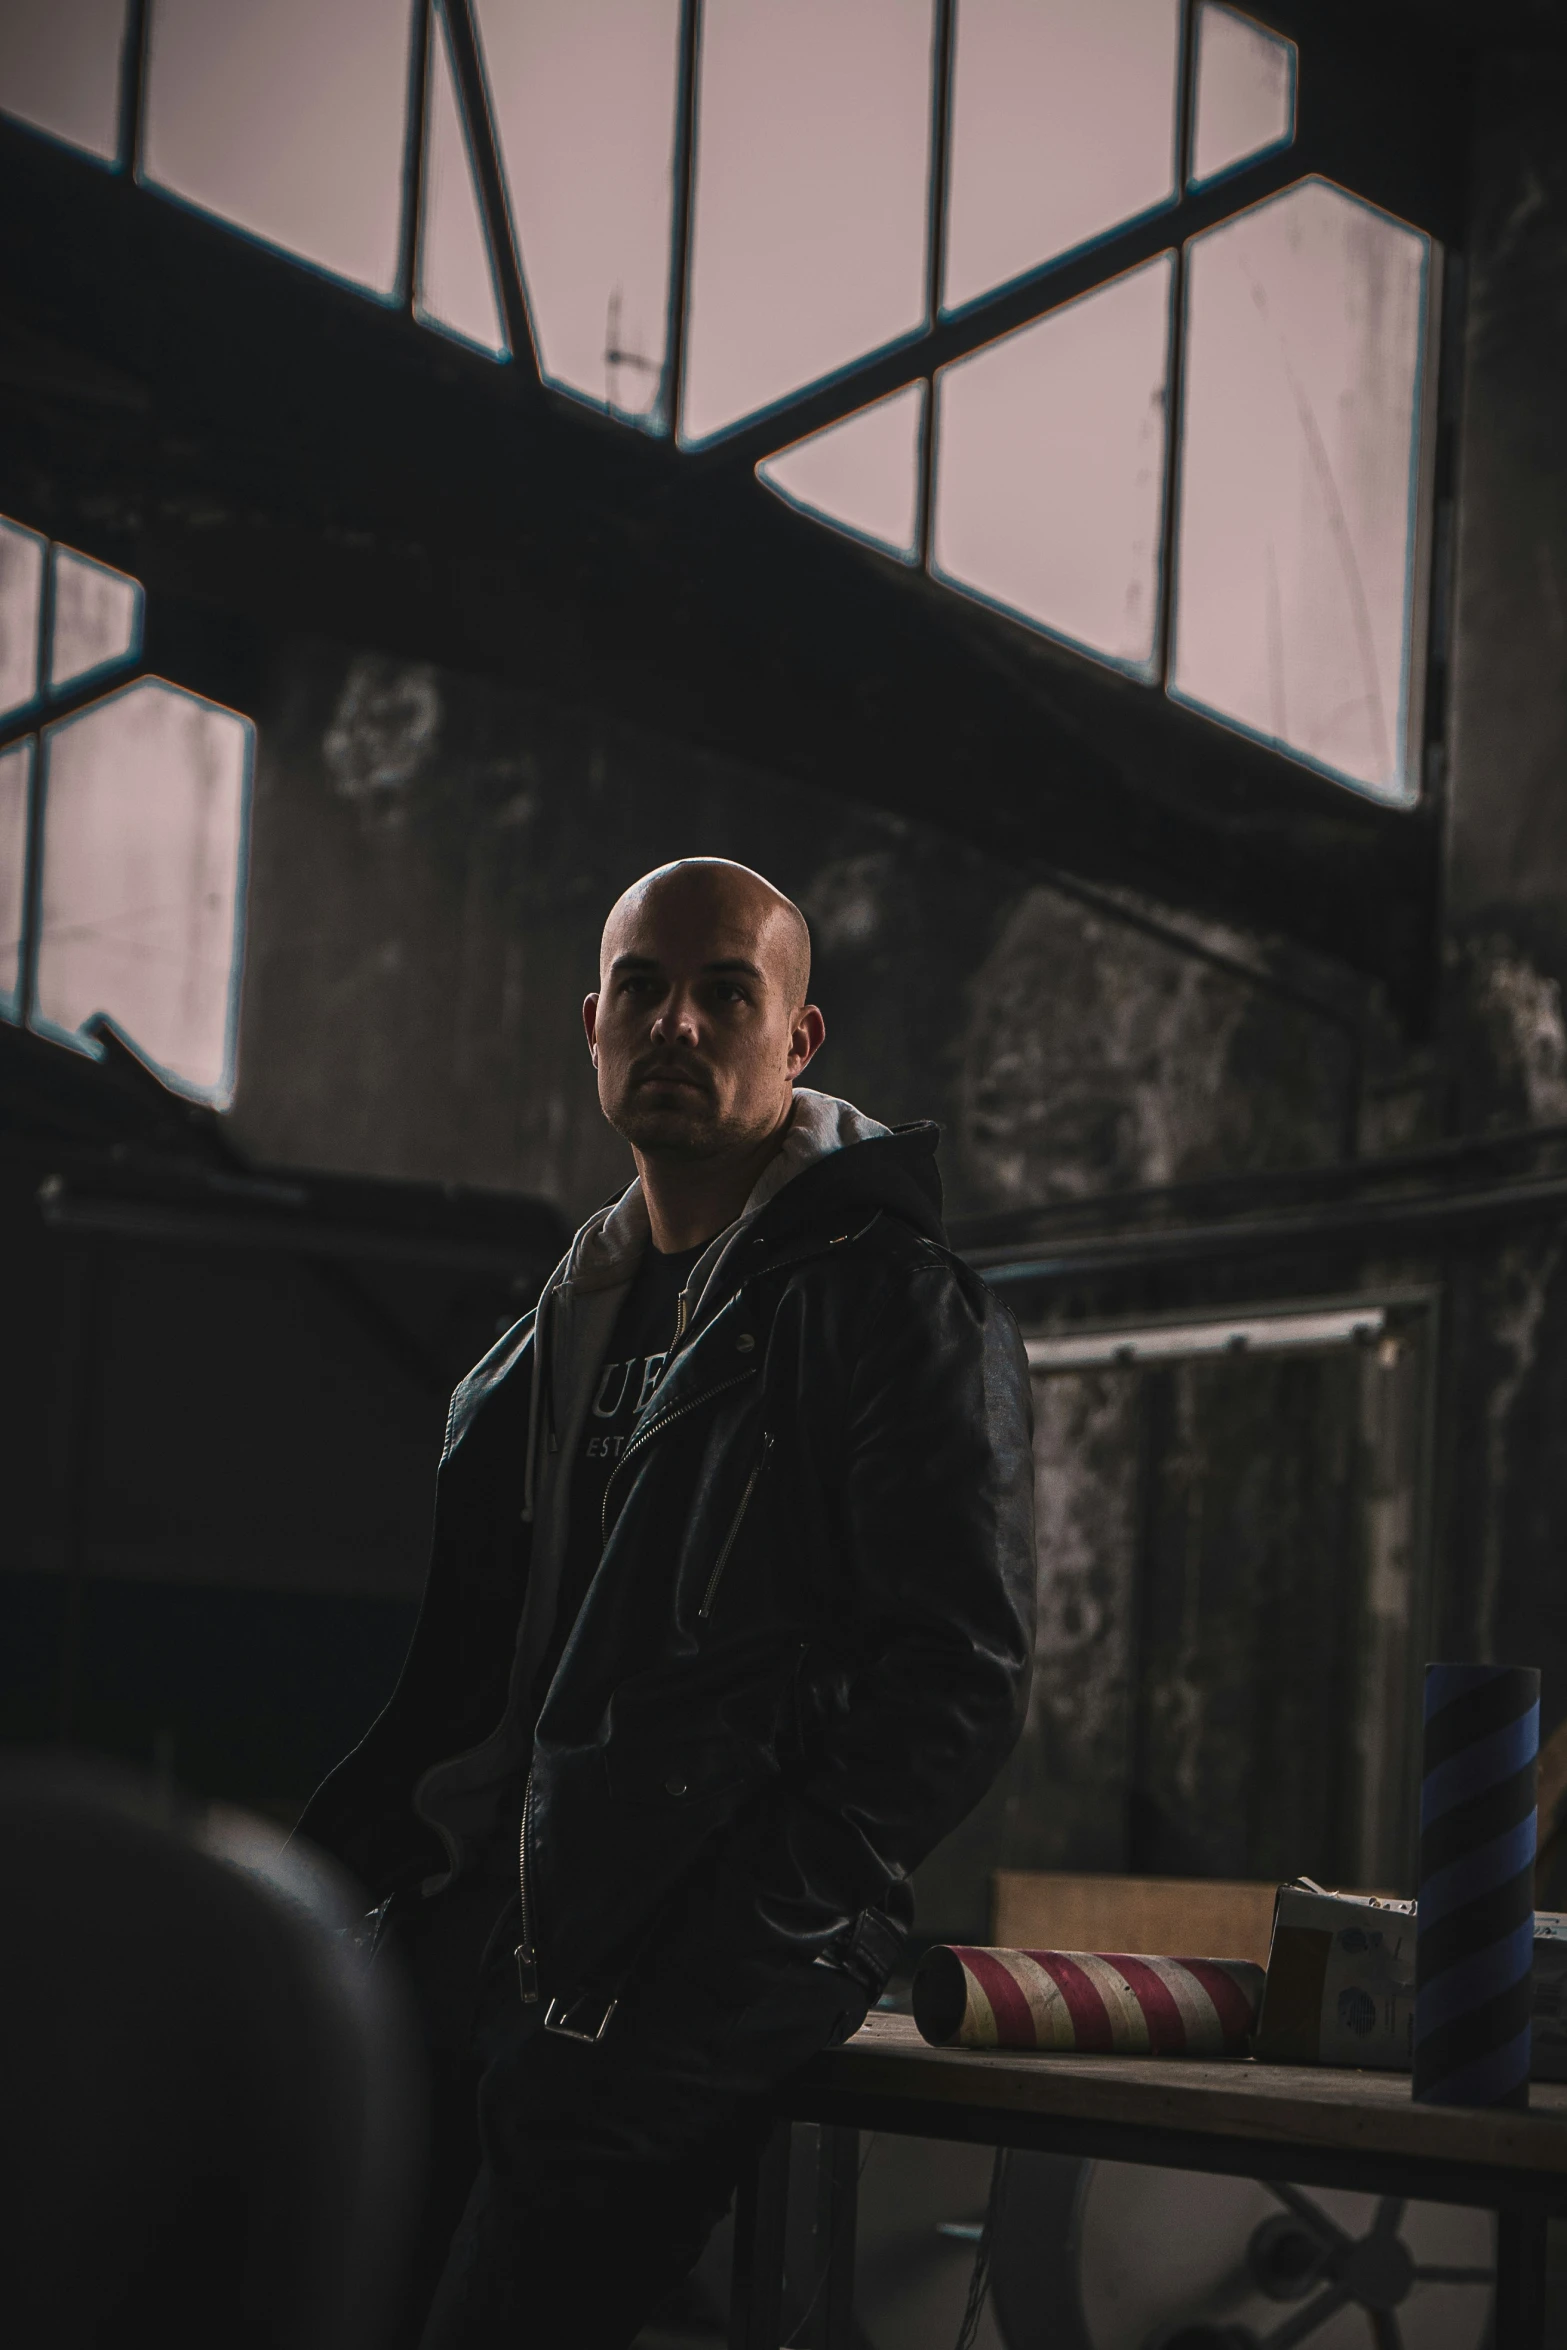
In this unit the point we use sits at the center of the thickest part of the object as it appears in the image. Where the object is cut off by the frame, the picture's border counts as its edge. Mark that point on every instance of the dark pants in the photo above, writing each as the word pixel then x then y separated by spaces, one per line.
pixel 574 2186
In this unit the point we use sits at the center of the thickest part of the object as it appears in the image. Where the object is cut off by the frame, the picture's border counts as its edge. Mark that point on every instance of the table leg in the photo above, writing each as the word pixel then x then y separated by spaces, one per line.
pixel 837 2202
pixel 1520 2277
pixel 761 2216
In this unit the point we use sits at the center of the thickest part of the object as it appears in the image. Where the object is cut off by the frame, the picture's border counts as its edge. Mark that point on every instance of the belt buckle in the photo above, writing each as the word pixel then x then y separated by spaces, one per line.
pixel 559 2018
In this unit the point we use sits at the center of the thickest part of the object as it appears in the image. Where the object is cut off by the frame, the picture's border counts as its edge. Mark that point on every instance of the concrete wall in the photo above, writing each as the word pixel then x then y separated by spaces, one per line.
pixel 433 859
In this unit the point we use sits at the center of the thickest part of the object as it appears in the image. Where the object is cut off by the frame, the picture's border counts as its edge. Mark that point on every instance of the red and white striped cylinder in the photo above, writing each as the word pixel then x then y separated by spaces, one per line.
pixel 1090 2001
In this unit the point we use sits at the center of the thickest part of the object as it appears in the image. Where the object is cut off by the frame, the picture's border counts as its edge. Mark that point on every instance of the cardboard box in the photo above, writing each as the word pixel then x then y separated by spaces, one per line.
pixel 1046 1909
pixel 1341 1984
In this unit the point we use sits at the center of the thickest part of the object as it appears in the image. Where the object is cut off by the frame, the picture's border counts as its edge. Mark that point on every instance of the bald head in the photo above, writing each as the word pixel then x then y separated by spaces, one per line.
pixel 710 892
pixel 700 1024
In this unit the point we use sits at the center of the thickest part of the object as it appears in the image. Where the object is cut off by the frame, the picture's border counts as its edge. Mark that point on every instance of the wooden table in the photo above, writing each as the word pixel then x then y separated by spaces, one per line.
pixel 1303 2124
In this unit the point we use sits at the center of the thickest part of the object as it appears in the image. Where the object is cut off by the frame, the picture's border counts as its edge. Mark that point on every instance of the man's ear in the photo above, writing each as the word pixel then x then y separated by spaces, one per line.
pixel 806 1038
pixel 590 1022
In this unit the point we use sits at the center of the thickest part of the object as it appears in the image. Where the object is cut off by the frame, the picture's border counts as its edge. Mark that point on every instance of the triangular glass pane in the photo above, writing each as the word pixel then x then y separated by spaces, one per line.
pixel 1064 125
pixel 1297 542
pixel 60 69
pixel 585 95
pixel 1050 447
pixel 862 475
pixel 16 769
pixel 97 617
pixel 288 119
pixel 141 918
pixel 810 199
pixel 456 278
pixel 1245 99
pixel 21 602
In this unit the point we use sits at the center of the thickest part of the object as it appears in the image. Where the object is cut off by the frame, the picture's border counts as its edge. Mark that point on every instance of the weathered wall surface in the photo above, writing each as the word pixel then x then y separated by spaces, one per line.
pixel 1506 881
pixel 433 858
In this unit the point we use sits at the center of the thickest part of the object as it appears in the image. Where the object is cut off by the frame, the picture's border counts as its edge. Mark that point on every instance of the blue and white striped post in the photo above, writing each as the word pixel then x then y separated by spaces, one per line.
pixel 1474 1937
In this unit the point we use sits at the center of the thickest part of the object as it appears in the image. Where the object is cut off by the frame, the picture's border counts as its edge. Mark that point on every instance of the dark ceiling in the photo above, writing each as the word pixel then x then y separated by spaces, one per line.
pixel 272 454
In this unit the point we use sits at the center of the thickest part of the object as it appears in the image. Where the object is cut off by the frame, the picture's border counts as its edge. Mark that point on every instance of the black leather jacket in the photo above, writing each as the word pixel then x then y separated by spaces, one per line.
pixel 805 1654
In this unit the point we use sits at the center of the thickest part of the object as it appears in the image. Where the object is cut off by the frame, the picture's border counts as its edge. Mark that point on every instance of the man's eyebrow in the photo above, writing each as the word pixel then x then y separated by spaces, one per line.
pixel 735 963
pixel 634 963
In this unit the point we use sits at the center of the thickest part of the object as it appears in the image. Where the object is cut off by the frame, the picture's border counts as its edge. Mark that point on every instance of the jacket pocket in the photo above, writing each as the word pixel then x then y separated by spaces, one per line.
pixel 735 1524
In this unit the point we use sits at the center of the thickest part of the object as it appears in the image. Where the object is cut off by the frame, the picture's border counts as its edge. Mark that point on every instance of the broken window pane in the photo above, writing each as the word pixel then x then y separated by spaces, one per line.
pixel 862 474
pixel 1050 449
pixel 97 617
pixel 1297 542
pixel 21 599
pixel 584 94
pixel 60 69
pixel 143 861
pixel 286 118
pixel 1245 95
pixel 456 279
pixel 810 203
pixel 1064 126
pixel 16 769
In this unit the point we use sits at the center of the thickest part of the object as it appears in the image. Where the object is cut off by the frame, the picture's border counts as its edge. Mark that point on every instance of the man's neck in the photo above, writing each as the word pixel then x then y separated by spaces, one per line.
pixel 690 1201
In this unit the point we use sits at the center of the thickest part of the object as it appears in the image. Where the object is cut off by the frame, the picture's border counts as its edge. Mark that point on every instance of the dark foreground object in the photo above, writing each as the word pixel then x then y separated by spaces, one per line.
pixel 1308 2124
pixel 210 2111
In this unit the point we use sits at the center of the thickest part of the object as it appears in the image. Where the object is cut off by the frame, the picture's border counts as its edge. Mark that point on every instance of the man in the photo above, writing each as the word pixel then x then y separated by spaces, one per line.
pixel 727 1623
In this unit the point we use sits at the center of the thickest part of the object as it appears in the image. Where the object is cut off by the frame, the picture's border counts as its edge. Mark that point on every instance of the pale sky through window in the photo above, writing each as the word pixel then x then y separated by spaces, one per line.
pixel 862 474
pixel 287 118
pixel 1050 468
pixel 455 282
pixel 16 767
pixel 60 69
pixel 1297 532
pixel 1064 120
pixel 810 202
pixel 585 95
pixel 143 845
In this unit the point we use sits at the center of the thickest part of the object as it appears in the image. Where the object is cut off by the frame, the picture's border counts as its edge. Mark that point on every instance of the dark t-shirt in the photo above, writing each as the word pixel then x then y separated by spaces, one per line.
pixel 633 1362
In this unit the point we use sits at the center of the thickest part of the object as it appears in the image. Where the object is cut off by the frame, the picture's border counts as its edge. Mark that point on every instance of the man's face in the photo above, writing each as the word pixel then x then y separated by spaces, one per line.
pixel 697 1029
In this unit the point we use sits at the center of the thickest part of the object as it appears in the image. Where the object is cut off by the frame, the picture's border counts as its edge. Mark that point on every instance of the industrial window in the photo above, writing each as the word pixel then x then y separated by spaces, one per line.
pixel 1065 118
pixel 123 814
pixel 456 286
pixel 1163 393
pixel 809 197
pixel 586 98
pixel 61 65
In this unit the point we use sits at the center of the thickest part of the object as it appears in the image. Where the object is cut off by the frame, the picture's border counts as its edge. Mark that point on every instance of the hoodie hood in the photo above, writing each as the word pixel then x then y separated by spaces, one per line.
pixel 610 1245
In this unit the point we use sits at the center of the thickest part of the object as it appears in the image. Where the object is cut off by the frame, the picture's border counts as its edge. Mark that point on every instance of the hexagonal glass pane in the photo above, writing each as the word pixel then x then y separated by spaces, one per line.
pixel 16 770
pixel 22 554
pixel 1065 118
pixel 455 282
pixel 96 618
pixel 584 95
pixel 810 208
pixel 1244 102
pixel 1049 475
pixel 60 63
pixel 286 118
pixel 144 816
pixel 1299 546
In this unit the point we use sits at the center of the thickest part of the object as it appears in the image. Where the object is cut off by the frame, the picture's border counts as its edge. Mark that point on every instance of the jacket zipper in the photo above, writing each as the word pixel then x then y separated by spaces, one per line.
pixel 738 1520
pixel 657 1427
pixel 525 1953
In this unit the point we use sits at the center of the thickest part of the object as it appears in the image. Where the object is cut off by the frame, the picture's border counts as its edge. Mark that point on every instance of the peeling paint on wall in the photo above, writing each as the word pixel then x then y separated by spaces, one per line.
pixel 383 731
